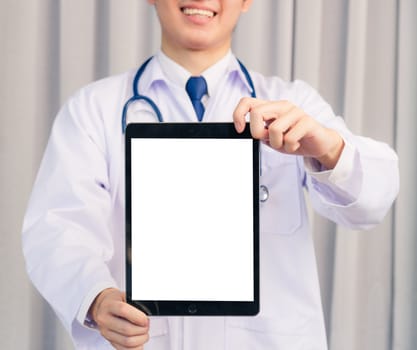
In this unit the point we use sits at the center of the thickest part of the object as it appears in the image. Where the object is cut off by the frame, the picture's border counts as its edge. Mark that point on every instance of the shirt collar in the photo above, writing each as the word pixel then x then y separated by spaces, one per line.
pixel 162 68
pixel 179 75
pixel 173 72
pixel 234 68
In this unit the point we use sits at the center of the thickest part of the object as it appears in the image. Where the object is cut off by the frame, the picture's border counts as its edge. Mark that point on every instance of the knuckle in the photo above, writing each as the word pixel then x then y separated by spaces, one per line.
pixel 290 148
pixel 130 342
pixel 122 309
pixel 291 143
pixel 289 104
pixel 285 103
pixel 100 319
pixel 290 140
pixel 275 128
pixel 107 334
pixel 306 120
pixel 254 113
pixel 275 143
pixel 244 104
pixel 124 330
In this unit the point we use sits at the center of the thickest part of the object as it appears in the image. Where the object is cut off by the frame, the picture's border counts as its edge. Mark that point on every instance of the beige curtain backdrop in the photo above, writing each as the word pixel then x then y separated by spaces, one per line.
pixel 360 54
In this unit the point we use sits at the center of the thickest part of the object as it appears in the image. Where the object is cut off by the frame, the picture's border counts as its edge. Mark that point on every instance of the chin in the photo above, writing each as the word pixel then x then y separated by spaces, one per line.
pixel 203 42
pixel 199 45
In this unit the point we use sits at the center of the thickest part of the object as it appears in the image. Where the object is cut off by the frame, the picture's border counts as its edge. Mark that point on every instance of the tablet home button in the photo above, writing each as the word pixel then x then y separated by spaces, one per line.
pixel 192 309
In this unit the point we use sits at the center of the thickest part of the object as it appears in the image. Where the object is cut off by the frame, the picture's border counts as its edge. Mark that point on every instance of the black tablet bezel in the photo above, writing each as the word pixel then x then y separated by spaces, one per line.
pixel 192 308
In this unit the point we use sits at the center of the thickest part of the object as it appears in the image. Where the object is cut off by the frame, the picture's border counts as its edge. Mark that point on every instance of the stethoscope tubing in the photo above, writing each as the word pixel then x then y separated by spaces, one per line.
pixel 137 96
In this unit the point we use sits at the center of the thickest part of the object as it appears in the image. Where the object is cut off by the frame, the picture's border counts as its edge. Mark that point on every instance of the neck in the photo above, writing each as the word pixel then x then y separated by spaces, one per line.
pixel 195 61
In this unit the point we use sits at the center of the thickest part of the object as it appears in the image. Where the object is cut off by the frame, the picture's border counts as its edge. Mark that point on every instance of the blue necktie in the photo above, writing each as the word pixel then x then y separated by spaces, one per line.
pixel 196 88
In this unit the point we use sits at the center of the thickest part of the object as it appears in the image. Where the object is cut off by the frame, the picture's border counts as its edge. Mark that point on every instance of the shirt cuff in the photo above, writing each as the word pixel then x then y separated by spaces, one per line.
pixel 343 169
pixel 82 317
pixel 344 179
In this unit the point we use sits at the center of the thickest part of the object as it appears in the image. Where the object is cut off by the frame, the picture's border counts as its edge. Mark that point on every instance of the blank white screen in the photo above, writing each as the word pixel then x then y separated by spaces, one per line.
pixel 192 219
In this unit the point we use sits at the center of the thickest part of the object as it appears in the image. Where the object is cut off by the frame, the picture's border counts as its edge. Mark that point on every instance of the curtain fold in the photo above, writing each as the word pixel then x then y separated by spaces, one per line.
pixel 404 311
pixel 363 267
pixel 359 54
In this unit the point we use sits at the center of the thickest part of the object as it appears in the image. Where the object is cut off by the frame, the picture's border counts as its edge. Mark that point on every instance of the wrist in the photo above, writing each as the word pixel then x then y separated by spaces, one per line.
pixel 93 310
pixel 330 159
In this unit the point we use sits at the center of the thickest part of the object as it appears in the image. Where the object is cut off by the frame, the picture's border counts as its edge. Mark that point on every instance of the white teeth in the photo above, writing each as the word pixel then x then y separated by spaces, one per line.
pixel 197 12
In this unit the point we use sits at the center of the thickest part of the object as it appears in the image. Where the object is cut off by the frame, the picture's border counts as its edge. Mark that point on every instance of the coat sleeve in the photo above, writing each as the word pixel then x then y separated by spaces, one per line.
pixel 364 184
pixel 66 238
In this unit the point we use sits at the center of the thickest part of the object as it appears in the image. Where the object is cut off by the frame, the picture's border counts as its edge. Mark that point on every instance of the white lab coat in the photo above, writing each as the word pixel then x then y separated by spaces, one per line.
pixel 73 235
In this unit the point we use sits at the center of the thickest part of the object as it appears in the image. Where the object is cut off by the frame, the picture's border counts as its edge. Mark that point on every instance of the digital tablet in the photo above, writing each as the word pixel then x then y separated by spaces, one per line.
pixel 192 219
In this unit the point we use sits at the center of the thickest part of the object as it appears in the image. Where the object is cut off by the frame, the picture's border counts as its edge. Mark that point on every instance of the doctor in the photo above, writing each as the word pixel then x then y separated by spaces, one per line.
pixel 73 235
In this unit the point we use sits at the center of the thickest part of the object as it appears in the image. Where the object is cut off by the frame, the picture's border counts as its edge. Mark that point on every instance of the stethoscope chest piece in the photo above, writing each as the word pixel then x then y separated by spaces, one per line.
pixel 263 193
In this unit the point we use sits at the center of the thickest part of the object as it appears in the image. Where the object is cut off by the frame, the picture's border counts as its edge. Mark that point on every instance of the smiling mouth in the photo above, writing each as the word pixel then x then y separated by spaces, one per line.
pixel 197 12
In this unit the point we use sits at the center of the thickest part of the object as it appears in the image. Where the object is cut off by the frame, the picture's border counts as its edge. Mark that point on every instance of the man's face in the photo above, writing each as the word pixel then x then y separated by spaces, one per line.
pixel 198 25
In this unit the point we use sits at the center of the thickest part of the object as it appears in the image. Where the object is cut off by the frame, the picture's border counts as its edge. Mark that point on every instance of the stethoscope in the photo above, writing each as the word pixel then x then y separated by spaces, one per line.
pixel 263 190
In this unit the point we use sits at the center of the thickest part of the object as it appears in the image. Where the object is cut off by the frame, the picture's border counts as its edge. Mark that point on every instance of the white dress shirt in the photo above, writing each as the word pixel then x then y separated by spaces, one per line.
pixel 73 235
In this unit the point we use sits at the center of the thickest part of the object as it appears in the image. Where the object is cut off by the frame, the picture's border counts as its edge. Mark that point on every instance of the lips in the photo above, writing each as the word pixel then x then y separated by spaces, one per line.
pixel 197 12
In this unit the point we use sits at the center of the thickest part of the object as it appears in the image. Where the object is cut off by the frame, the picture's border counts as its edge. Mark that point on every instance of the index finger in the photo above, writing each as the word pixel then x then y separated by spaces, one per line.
pixel 244 107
